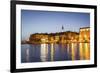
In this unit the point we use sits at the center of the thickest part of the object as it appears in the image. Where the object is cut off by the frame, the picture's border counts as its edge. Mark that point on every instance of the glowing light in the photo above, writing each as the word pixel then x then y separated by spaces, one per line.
pixel 84 51
pixel 43 40
pixel 87 51
pixel 73 52
pixel 81 51
pixel 52 52
pixel 44 52
pixel 27 54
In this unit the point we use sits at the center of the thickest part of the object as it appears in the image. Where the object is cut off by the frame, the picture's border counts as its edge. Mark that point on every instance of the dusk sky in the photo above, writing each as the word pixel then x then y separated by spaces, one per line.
pixel 33 21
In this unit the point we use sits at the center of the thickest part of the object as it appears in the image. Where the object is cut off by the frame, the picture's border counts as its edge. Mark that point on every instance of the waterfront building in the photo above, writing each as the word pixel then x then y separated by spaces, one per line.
pixel 38 38
pixel 84 35
pixel 62 37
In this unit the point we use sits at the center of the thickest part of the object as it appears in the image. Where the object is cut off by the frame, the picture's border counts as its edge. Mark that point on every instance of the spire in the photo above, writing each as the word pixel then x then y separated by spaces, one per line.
pixel 62 27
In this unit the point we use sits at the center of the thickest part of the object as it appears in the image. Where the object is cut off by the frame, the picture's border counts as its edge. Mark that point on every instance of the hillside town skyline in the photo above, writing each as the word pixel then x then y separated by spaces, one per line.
pixel 35 21
pixel 60 37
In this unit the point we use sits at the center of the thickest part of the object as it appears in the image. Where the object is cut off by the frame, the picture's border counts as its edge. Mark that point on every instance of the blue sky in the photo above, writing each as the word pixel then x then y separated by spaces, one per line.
pixel 33 21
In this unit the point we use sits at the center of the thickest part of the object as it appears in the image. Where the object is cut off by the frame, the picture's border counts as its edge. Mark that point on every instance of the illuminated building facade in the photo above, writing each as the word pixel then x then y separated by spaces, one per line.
pixel 84 35
pixel 62 37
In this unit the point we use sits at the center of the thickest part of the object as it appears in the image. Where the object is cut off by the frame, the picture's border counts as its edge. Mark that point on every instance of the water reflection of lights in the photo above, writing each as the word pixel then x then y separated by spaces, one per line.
pixel 73 51
pixel 27 54
pixel 44 52
pixel 81 51
pixel 52 52
pixel 68 50
pixel 68 47
pixel 87 51
pixel 84 51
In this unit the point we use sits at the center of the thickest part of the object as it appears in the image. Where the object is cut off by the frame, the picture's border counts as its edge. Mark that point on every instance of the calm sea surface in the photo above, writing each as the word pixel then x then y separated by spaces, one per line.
pixel 54 52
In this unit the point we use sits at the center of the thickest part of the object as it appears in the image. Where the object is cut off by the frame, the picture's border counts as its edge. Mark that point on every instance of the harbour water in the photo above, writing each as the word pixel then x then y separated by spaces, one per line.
pixel 54 52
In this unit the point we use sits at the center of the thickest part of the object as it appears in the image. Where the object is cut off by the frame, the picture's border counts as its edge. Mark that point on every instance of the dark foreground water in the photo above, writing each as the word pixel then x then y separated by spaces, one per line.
pixel 54 52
